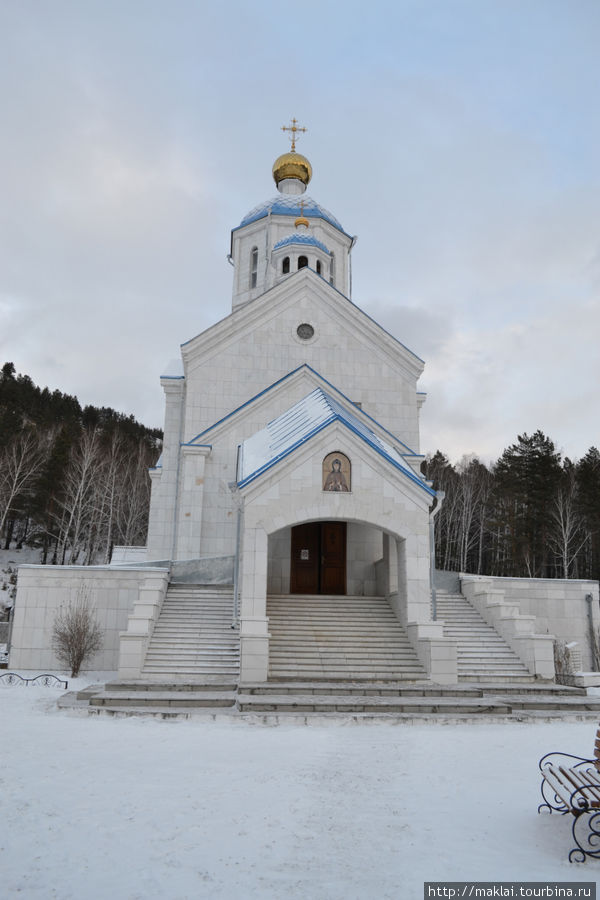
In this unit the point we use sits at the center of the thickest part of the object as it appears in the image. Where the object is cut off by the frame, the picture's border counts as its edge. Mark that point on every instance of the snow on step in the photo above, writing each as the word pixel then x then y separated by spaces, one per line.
pixel 483 655
pixel 338 638
pixel 193 635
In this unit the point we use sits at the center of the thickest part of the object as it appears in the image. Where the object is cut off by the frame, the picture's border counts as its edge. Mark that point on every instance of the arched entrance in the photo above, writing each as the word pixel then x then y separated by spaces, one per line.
pixel 318 558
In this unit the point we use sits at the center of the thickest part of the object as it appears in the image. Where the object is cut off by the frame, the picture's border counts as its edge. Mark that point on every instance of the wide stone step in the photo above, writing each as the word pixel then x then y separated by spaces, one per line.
pixel 334 652
pixel 183 640
pixel 192 653
pixel 343 704
pixel 298 637
pixel 383 699
pixel 423 688
pixel 193 656
pixel 168 699
pixel 220 621
pixel 209 683
pixel 202 641
pixel 192 667
pixel 493 677
pixel 348 668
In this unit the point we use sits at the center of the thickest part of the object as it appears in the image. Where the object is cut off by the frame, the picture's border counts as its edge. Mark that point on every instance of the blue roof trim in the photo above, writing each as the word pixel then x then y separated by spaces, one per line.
pixel 409 451
pixel 301 239
pixel 336 414
pixel 290 206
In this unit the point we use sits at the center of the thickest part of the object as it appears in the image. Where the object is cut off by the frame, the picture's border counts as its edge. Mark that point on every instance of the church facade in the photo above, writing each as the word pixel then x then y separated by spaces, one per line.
pixel 291 442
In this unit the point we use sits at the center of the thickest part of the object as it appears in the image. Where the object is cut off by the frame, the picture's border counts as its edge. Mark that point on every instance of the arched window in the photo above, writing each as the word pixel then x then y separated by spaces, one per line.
pixel 318 267
pixel 332 269
pixel 285 265
pixel 302 262
pixel 254 267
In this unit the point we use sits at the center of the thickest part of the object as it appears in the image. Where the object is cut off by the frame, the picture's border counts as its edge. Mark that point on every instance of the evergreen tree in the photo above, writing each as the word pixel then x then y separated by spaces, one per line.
pixel 588 504
pixel 527 476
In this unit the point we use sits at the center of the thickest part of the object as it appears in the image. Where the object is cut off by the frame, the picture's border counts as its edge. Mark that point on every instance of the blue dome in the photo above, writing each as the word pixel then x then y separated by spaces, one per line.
pixel 301 239
pixel 290 206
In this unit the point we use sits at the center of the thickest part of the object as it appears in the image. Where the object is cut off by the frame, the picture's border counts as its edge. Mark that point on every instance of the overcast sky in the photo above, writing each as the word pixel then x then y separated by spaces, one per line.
pixel 459 139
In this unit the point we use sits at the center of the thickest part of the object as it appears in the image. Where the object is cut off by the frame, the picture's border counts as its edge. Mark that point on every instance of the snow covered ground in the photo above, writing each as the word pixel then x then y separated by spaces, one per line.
pixel 135 809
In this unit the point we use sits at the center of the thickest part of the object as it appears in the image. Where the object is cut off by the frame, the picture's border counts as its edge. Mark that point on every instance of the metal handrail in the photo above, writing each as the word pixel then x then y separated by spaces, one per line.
pixel 12 679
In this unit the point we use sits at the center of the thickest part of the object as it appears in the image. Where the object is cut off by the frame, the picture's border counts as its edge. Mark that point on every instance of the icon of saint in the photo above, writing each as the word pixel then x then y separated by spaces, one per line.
pixel 336 480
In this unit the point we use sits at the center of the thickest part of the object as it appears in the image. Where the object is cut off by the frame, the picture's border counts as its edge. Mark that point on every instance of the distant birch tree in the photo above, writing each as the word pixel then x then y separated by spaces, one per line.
pixel 21 462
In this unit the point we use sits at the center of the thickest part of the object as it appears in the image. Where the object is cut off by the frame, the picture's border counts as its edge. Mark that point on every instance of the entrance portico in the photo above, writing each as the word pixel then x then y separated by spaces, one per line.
pixel 289 495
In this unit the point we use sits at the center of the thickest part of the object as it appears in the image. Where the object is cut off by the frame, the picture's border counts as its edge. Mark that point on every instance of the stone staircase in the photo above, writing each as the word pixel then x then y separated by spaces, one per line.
pixel 320 702
pixel 482 654
pixel 193 637
pixel 336 638
pixel 334 659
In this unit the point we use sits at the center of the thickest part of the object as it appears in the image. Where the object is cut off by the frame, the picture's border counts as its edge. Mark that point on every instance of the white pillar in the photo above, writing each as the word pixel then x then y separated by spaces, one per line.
pixel 161 528
pixel 390 556
pixel 191 495
pixel 254 624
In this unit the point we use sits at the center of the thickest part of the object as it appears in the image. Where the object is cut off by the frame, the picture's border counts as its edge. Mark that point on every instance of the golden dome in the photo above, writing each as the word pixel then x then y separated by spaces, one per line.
pixel 292 165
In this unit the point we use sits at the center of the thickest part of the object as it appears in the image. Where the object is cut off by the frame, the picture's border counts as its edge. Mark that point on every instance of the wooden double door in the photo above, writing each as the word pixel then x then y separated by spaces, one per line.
pixel 318 557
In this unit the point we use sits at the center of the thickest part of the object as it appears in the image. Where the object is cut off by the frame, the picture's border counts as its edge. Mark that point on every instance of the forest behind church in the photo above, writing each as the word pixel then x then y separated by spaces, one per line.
pixel 530 514
pixel 74 483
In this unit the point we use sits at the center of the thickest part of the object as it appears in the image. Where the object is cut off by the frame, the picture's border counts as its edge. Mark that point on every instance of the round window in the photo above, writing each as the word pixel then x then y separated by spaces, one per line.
pixel 305 331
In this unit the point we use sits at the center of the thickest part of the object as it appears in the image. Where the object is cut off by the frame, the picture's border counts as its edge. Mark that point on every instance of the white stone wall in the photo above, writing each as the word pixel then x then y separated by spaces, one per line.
pixel 355 356
pixel 364 548
pixel 278 572
pixel 559 606
pixel 41 590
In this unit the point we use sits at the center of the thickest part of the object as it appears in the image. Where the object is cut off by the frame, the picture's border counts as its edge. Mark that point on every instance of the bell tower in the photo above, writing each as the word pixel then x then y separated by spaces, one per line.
pixel 290 232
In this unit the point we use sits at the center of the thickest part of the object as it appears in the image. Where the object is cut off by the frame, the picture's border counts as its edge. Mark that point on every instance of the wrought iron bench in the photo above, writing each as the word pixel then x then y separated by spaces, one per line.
pixel 571 784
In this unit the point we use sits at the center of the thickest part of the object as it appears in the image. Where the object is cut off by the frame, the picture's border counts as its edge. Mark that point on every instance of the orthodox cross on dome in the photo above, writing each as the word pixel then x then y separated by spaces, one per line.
pixel 293 129
pixel 302 220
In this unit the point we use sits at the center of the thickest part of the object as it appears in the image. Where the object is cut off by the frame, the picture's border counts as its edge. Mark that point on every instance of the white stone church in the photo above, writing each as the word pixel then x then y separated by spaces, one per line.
pixel 289 519
pixel 292 431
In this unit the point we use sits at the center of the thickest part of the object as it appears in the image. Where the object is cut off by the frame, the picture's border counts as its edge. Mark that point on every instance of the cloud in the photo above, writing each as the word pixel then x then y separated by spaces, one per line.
pixel 458 141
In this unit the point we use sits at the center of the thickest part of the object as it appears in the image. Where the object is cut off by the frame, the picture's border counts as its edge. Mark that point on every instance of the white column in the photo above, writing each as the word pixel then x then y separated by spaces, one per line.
pixel 191 495
pixel 254 624
pixel 161 530
pixel 390 557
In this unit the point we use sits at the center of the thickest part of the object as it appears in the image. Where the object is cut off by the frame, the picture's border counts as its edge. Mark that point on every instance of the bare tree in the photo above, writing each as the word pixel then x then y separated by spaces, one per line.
pixel 76 508
pixel 567 535
pixel 133 498
pixel 76 633
pixel 20 463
